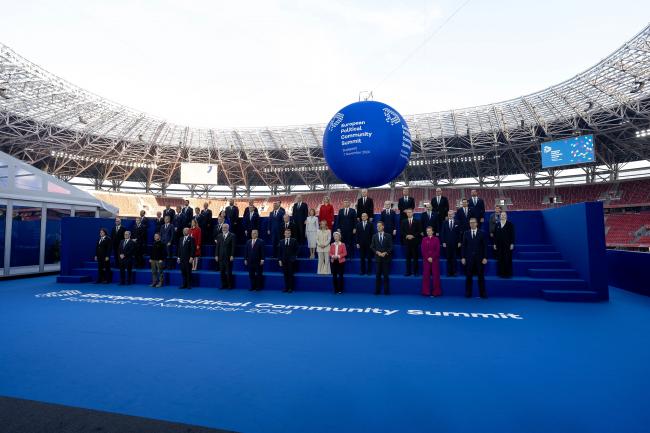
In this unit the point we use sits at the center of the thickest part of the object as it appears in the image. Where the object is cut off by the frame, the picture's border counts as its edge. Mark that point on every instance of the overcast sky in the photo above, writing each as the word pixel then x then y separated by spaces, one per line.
pixel 275 62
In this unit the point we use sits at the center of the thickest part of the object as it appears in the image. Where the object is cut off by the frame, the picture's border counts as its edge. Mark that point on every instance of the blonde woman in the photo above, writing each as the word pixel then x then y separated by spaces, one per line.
pixel 311 231
pixel 323 248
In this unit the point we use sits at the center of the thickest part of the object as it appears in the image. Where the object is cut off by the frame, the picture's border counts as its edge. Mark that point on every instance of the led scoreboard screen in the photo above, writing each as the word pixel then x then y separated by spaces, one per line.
pixel 570 151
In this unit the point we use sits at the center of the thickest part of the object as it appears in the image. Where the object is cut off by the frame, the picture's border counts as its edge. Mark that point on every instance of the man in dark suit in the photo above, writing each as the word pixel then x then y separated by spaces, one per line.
pixel 250 221
pixel 254 259
pixel 103 257
pixel 462 217
pixel 179 223
pixel 169 212
pixel 188 214
pixel 494 220
pixel 429 218
pixel 287 224
pixel 276 218
pixel 382 247
pixel 411 234
pixel 477 207
pixel 251 206
pixel 365 205
pixel 158 221
pixel 450 238
pixel 117 236
pixel 388 217
pixel 405 202
pixel 346 224
pixel 440 205
pixel 126 251
pixel 206 223
pixel 364 234
pixel 139 235
pixel 474 257
pixel 232 215
pixel 225 256
pixel 167 235
pixel 186 252
pixel 299 213
pixel 287 255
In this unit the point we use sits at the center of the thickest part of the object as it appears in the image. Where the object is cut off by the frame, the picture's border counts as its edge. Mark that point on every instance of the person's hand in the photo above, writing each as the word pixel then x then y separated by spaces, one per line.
pixel 232 258
pixel 444 244
pixel 105 259
pixel 216 258
pixel 394 232
pixel 430 259
pixel 160 261
pixel 280 263
pixel 178 260
pixel 121 256
pixel 150 261
pixel 268 232
pixel 261 262
pixel 191 260
pixel 354 231
pixel 458 244
pixel 358 246
pixel 169 244
pixel 245 262
pixel 481 220
pixel 495 247
pixel 491 235
pixel 95 258
pixel 245 232
pixel 462 261
pixel 484 261
pixel 512 247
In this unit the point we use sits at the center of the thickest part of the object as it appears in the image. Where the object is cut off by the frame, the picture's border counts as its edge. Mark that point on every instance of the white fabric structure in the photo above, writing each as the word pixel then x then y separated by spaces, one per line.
pixel 32 204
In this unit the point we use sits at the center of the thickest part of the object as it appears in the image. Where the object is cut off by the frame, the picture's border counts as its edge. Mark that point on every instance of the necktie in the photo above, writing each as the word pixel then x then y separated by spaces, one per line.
pixel 438 200
pixel 381 238
pixel 252 242
pixel 364 201
pixel 475 201
pixel 473 234
pixel 184 240
pixel 287 242
pixel 364 225
pixel 451 224
pixel 410 222
pixel 346 211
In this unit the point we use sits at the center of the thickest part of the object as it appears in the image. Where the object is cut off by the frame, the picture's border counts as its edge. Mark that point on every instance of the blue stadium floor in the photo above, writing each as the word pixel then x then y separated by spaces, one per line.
pixel 580 367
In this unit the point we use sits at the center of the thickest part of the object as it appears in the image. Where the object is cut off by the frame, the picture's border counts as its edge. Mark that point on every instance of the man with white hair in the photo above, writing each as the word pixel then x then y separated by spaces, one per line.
pixel 365 205
pixel 440 205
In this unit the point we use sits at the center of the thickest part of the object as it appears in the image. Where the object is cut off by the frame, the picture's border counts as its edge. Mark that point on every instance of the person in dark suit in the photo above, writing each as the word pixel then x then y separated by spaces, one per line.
pixel 168 211
pixel 157 261
pixel 287 255
pixel 411 232
pixel 139 236
pixel 251 207
pixel 218 227
pixel 250 221
pixel 117 236
pixel 504 244
pixel 167 235
pixel 103 257
pixel 474 257
pixel 405 202
pixel 346 224
pixel 188 214
pixel 232 215
pixel 206 223
pixel 287 224
pixel 126 251
pixel 477 207
pixel 158 221
pixel 364 234
pixel 440 205
pixel 450 238
pixel 275 230
pixel 179 223
pixel 428 218
pixel 365 205
pixel 388 217
pixel 382 247
pixel 462 217
pixel 494 220
pixel 186 252
pixel 225 256
pixel 254 260
pixel 299 213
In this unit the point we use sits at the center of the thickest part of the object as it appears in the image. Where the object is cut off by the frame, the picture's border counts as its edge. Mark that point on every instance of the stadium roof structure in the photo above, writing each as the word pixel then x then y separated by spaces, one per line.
pixel 70 132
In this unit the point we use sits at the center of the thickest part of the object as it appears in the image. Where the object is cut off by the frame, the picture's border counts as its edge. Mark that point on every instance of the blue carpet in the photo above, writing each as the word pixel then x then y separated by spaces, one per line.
pixel 562 367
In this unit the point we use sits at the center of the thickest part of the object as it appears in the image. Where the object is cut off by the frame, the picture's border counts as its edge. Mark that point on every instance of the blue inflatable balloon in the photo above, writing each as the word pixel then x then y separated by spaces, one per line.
pixel 367 144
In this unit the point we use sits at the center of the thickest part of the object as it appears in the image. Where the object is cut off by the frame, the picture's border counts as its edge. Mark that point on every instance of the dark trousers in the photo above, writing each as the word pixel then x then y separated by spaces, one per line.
pixel 116 256
pixel 300 232
pixel 412 249
pixel 366 255
pixel 450 252
pixel 338 269
pixel 274 241
pixel 383 270
pixel 126 266
pixel 225 266
pixel 475 267
pixel 347 238
pixel 287 270
pixel 103 269
pixel 256 274
pixel 504 261
pixel 186 272
pixel 140 248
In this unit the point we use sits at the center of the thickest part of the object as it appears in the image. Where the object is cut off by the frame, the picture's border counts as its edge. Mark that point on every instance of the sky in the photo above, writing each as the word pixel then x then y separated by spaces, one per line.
pixel 212 63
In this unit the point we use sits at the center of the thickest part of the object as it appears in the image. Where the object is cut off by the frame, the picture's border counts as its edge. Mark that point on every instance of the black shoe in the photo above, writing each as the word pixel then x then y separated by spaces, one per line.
pixel 284 290
pixel 188 288
pixel 98 282
pixel 252 289
pixel 377 292
pixel 483 296
pixel 181 287
pixel 290 291
pixel 407 274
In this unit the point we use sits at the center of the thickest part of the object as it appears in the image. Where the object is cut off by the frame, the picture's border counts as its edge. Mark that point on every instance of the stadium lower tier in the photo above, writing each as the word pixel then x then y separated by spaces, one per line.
pixel 539 271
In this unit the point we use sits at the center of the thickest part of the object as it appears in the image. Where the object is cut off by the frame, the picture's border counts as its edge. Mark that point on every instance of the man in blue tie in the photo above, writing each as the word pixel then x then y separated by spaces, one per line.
pixel 254 260
pixel 382 247
pixel 474 258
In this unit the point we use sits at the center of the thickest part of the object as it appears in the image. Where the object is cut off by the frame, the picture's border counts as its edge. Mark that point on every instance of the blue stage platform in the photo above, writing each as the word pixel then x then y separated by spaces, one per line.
pixel 310 361
pixel 559 255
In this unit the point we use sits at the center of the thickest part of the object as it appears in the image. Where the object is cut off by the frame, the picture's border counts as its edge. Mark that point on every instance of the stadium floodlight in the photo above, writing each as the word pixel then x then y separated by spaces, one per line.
pixel 643 133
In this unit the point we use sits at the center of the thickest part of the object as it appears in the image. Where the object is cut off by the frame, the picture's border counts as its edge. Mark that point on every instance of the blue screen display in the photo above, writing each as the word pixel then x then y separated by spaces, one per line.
pixel 570 151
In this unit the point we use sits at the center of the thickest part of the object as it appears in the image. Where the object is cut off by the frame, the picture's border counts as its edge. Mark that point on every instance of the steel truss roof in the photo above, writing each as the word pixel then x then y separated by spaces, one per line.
pixel 70 132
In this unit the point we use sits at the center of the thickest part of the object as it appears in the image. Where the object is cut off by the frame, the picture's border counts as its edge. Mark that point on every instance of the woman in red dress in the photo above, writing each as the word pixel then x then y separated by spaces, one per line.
pixel 195 232
pixel 326 212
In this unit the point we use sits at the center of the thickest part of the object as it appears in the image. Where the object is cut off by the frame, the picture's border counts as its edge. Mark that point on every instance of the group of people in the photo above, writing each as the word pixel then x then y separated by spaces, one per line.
pixel 440 231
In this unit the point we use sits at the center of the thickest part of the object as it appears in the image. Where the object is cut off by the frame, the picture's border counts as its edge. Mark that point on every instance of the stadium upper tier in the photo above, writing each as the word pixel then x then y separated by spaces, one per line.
pixel 90 136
